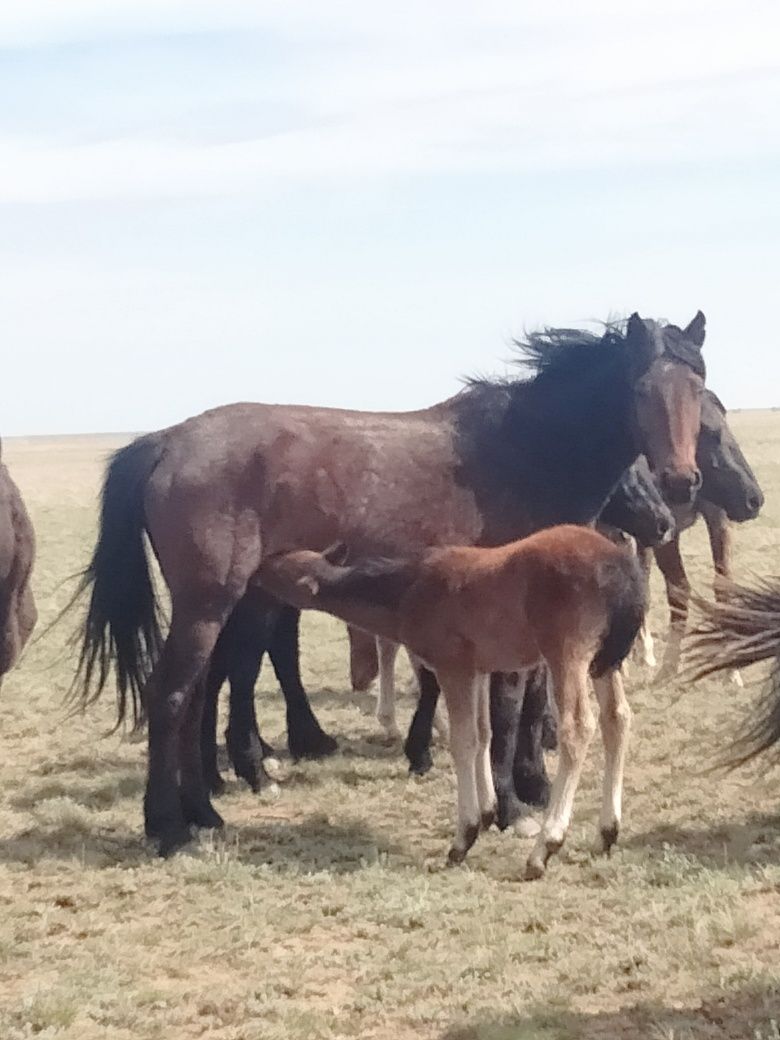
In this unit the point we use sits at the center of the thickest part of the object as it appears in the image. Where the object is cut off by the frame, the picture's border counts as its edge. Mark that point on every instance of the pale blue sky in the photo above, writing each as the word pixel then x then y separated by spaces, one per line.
pixel 356 203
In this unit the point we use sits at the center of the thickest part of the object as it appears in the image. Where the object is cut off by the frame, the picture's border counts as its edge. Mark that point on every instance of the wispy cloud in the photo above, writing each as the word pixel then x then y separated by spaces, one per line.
pixel 367 90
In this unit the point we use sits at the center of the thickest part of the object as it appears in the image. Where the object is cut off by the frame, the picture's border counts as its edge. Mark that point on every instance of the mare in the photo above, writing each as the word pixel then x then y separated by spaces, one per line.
pixel 566 597
pixel 18 612
pixel 220 492
pixel 635 507
pixel 729 492
pixel 739 631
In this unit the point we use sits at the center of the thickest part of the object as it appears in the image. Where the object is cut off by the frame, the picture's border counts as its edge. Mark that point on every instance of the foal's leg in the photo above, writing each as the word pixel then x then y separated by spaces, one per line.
pixel 576 726
pixel 644 649
pixel 615 722
pixel 461 693
pixel 417 746
pixel 486 792
pixel 721 546
pixel 385 704
pixel 305 737
pixel 678 593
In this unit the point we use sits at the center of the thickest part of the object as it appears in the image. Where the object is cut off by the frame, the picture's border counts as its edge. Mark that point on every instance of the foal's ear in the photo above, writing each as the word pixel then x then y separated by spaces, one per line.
pixel 695 332
pixel 308 581
pixel 336 554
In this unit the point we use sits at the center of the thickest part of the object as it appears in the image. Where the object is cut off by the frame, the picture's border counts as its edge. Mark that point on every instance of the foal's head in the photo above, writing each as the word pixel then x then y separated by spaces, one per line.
pixel 727 479
pixel 637 508
pixel 668 379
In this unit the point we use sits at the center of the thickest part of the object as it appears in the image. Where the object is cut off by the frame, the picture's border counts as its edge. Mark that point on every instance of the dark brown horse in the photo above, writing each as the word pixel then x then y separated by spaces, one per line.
pixel 17 553
pixel 220 492
pixel 729 492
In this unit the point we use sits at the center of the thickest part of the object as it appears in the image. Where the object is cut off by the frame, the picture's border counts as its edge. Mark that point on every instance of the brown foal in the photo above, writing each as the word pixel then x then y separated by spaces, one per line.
pixel 565 596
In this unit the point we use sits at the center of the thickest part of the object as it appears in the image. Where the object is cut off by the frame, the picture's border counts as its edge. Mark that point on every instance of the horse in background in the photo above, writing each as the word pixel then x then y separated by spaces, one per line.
pixel 18 612
pixel 221 492
pixel 729 492
pixel 565 597
pixel 741 630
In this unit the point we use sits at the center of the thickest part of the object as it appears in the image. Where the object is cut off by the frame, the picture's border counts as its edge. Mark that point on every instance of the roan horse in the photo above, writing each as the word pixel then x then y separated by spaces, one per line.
pixel 635 507
pixel 565 597
pixel 729 492
pixel 220 492
pixel 18 613
pixel 742 630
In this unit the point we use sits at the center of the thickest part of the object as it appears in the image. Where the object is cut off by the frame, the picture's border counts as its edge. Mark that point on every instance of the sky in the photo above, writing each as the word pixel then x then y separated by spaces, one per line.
pixel 356 204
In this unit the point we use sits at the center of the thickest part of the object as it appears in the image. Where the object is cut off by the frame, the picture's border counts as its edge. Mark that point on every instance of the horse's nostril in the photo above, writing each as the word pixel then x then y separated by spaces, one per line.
pixel 754 503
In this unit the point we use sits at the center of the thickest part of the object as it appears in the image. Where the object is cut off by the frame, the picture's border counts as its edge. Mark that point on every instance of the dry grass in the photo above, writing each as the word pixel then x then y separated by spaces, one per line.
pixel 327 913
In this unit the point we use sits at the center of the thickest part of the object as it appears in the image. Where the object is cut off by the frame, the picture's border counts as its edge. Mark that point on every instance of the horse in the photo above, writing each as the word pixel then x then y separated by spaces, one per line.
pixel 635 507
pixel 18 613
pixel 729 492
pixel 566 597
pixel 741 630
pixel 218 493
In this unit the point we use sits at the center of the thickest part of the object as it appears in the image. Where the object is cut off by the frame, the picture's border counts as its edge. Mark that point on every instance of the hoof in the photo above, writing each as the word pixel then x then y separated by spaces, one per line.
pixel 535 868
pixel 311 744
pixel 527 827
pixel 456 856
pixel 509 809
pixel 609 836
pixel 273 767
pixel 201 814
pixel 421 764
pixel 532 788
pixel 215 784
pixel 173 840
pixel 488 819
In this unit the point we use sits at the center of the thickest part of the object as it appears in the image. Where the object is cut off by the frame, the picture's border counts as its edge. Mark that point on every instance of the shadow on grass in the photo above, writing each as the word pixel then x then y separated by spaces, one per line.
pixel 752 841
pixel 752 1014
pixel 100 793
pixel 314 844
pixel 93 849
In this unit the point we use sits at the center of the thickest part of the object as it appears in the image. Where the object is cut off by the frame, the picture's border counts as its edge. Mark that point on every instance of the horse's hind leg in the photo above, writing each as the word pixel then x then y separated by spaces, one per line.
pixel 461 693
pixel 576 726
pixel 216 675
pixel 615 722
pixel 486 792
pixel 194 791
pixel 169 693
pixel 536 731
pixel 306 738
pixel 385 705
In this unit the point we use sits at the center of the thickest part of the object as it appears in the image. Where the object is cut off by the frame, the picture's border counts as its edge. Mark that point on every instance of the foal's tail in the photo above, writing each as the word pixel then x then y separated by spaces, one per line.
pixel 626 597
pixel 122 625
pixel 734 634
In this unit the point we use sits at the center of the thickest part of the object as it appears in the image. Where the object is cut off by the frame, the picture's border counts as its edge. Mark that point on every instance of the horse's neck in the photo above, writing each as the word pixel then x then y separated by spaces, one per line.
pixel 378 620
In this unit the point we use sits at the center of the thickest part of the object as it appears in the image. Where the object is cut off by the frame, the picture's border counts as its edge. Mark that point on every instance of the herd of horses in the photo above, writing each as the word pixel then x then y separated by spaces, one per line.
pixel 503 537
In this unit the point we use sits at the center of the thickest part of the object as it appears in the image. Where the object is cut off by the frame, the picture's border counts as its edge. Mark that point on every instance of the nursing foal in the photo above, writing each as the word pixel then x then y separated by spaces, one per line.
pixel 566 597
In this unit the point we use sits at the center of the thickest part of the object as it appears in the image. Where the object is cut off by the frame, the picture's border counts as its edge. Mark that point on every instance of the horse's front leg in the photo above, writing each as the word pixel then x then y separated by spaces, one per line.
pixel 644 649
pixel 721 545
pixel 678 593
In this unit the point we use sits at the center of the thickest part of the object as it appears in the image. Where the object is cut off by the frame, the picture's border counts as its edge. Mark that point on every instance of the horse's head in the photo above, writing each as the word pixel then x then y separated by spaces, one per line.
pixel 668 383
pixel 727 479
pixel 636 507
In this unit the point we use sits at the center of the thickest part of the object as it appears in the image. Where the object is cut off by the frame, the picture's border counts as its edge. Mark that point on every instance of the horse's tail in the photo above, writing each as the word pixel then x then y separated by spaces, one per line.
pixel 743 631
pixel 626 598
pixel 122 625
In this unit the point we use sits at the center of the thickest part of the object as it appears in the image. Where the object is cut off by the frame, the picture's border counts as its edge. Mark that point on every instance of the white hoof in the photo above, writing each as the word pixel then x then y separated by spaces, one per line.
pixel 273 767
pixel 736 679
pixel 527 827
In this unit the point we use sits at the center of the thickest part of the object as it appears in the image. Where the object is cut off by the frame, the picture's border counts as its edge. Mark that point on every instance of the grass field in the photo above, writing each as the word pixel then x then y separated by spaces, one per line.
pixel 328 912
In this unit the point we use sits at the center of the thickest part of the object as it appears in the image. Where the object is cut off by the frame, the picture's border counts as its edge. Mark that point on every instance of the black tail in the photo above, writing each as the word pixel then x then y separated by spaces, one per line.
pixel 624 585
pixel 735 634
pixel 123 619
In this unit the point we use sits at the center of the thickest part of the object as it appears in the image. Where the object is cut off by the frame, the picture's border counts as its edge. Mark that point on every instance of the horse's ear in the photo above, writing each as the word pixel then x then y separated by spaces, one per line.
pixel 695 332
pixel 308 581
pixel 642 342
pixel 336 554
